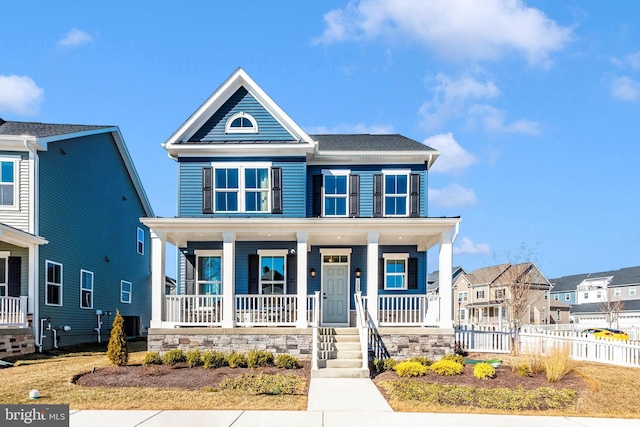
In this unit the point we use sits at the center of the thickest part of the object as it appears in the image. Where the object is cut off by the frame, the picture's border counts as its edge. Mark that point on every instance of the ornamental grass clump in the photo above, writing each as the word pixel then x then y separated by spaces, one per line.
pixel 172 357
pixel 277 384
pixel 446 367
pixel 484 371
pixel 557 363
pixel 214 359
pixel 410 369
pixel 257 358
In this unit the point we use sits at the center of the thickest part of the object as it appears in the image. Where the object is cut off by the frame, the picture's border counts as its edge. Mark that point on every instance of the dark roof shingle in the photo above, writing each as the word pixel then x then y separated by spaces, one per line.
pixel 42 130
pixel 368 142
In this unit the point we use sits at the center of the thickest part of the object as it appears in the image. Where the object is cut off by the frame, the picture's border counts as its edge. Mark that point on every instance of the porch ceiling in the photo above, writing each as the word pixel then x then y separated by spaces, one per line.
pixel 421 232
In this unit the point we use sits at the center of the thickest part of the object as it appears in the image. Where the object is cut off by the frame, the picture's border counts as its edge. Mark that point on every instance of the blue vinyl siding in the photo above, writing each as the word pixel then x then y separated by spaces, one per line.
pixel 242 101
pixel 366 173
pixel 89 213
pixel 293 187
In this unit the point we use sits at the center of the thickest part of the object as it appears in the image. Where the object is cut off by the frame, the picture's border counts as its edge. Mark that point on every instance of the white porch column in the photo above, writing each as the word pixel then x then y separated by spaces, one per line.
pixel 301 251
pixel 445 270
pixel 158 244
pixel 372 276
pixel 228 282
pixel 32 295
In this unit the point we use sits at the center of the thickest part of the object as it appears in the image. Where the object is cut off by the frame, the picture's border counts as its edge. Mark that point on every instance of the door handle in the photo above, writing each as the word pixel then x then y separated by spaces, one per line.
pixel 324 295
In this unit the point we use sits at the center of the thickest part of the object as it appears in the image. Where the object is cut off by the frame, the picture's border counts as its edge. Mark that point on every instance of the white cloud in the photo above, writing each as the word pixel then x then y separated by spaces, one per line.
pixel 631 60
pixel 453 158
pixel 74 38
pixel 451 196
pixel 494 120
pixel 20 95
pixel 346 128
pixel 455 29
pixel 466 246
pixel 625 89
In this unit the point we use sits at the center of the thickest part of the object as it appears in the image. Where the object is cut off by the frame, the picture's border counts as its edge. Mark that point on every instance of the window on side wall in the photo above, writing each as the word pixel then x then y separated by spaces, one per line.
pixel 125 292
pixel 632 291
pixel 53 288
pixel 395 271
pixel 396 193
pixel 463 296
pixel 86 289
pixel 8 182
pixel 272 274
pixel 556 297
pixel 567 297
pixel 209 273
pixel 140 241
pixel 617 292
pixel 335 193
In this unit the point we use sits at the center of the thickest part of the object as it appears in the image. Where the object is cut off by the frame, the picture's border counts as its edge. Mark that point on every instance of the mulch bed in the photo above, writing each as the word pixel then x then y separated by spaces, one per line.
pixel 177 376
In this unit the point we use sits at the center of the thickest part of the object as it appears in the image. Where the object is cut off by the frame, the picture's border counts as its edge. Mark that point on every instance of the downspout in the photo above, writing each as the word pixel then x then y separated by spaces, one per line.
pixel 34 229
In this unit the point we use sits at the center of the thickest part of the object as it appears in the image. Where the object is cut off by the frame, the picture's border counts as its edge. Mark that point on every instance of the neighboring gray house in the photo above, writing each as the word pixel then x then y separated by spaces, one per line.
pixel 72 247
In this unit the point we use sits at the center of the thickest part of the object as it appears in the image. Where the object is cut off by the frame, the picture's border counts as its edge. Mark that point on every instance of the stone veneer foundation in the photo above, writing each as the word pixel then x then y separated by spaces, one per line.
pixel 405 343
pixel 16 341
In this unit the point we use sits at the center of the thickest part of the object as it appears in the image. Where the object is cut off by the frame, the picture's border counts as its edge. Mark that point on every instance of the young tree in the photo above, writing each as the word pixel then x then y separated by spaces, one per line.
pixel 611 308
pixel 118 350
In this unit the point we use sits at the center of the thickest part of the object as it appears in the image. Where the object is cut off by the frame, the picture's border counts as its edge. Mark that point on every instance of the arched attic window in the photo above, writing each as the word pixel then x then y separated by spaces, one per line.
pixel 241 123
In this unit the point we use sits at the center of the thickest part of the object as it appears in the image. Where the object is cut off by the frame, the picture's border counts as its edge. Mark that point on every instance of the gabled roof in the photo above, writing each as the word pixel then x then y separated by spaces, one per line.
pixel 595 307
pixel 21 136
pixel 622 277
pixel 368 142
pixel 497 274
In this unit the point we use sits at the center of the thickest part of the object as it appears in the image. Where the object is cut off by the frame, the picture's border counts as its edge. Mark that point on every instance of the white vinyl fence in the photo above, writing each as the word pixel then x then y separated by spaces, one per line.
pixel 483 339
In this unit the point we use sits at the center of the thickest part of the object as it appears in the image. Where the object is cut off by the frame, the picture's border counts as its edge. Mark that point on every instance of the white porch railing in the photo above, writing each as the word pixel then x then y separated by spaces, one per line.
pixel 191 310
pixel 407 310
pixel 13 311
pixel 266 310
pixel 315 322
pixel 363 329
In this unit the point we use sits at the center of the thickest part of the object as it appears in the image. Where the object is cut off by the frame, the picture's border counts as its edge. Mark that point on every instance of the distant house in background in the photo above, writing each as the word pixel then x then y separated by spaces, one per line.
pixel 72 247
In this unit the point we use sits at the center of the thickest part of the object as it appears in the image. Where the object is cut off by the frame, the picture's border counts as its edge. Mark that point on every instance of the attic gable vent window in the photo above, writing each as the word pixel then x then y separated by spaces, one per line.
pixel 241 123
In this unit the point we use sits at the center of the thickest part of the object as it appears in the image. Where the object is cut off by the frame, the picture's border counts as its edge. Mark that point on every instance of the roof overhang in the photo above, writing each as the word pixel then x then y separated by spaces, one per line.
pixel 373 157
pixel 19 238
pixel 421 232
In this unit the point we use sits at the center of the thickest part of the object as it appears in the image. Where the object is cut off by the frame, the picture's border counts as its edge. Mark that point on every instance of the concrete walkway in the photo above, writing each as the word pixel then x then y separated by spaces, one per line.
pixel 345 394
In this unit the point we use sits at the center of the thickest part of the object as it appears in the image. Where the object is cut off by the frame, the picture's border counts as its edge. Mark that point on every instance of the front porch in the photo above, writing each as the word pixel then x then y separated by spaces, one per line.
pixel 13 312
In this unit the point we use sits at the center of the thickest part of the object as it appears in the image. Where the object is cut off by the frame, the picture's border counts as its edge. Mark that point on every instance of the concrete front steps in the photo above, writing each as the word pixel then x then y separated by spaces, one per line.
pixel 339 354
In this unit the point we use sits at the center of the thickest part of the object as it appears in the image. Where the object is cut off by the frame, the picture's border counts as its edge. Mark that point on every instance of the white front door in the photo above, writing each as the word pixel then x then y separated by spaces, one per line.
pixel 335 293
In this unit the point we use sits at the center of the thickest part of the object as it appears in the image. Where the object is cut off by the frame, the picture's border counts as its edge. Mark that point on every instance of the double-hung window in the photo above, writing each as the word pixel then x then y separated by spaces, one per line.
pixel 125 291
pixel 479 294
pixel 463 296
pixel 239 188
pixel 335 193
pixel 227 189
pixel 272 273
pixel 53 287
pixel 140 241
pixel 86 289
pixel 209 273
pixel 396 193
pixel 395 271
pixel 256 189
pixel 8 182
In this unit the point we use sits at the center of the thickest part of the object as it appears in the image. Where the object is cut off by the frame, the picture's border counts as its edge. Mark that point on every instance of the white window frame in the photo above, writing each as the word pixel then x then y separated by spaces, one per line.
pixel 4 281
pixel 617 292
pixel 500 293
pixel 83 289
pixel 16 181
pixel 241 114
pixel 339 172
pixel 140 242
pixel 463 296
pixel 556 297
pixel 206 254
pixel 123 292
pixel 273 253
pixel 47 283
pixel 407 174
pixel 242 190
pixel 405 275
pixel 479 294
pixel 632 291
pixel 567 297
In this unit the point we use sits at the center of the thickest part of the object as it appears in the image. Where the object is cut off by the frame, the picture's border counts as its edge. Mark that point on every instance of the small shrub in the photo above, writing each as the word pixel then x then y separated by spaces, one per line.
pixel 454 357
pixel 378 365
pixel 237 360
pixel 484 371
pixel 557 363
pixel 286 361
pixel 524 370
pixel 423 360
pixel 214 359
pixel 257 358
pixel 194 358
pixel 410 369
pixel 446 367
pixel 277 384
pixel 389 364
pixel 118 349
pixel 172 357
pixel 152 358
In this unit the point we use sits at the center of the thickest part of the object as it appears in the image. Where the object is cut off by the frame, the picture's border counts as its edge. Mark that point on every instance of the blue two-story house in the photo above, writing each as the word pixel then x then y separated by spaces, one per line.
pixel 276 227
pixel 72 247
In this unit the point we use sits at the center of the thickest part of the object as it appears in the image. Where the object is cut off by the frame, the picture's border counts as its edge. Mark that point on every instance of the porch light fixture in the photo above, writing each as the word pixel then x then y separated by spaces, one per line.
pixel 358 272
pixel 312 272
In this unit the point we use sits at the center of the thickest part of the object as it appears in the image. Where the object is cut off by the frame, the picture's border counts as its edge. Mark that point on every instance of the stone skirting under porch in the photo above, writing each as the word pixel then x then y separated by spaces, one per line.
pixel 406 342
pixel 16 341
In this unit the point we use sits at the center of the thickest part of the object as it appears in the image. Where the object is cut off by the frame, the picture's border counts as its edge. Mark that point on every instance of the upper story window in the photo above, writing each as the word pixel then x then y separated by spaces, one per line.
pixel 253 187
pixel 140 241
pixel 53 287
pixel 556 297
pixel 567 297
pixel 479 294
pixel 499 293
pixel 617 292
pixel 463 296
pixel 241 123
pixel 396 193
pixel 209 272
pixel 8 182
pixel 335 192
pixel 632 291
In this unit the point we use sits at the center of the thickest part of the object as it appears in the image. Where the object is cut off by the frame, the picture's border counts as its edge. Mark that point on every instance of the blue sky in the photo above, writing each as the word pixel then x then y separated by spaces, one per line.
pixel 534 105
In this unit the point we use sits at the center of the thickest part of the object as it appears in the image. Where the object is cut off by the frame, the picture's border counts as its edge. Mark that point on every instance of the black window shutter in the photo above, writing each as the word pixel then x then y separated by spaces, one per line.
pixel 317 195
pixel 414 196
pixel 207 190
pixel 254 273
pixel 276 190
pixel 381 273
pixel 292 274
pixel 413 274
pixel 13 276
pixel 354 195
pixel 190 274
pixel 377 195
